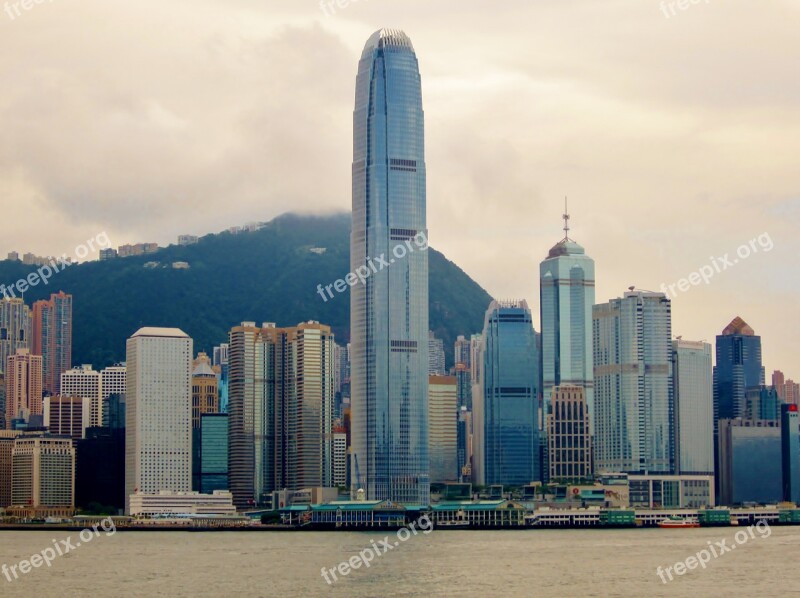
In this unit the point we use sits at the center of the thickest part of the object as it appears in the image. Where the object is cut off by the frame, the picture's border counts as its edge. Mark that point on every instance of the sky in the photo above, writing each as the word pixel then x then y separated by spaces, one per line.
pixel 675 133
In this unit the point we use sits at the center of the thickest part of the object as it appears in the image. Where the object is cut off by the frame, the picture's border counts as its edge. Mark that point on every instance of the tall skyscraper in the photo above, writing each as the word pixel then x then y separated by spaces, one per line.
pixel 23 387
pixel 389 312
pixel 87 383
pixel 15 328
pixel 281 409
pixel 567 291
pixel 634 402
pixel 506 435
pixel 158 441
pixel 694 407
pixel 443 414
pixel 52 338
pixel 738 368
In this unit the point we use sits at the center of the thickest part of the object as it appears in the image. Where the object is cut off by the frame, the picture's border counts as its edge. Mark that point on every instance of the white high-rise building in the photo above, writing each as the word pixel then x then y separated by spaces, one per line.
pixel 158 441
pixel 114 380
pixel 634 400
pixel 694 407
pixel 86 383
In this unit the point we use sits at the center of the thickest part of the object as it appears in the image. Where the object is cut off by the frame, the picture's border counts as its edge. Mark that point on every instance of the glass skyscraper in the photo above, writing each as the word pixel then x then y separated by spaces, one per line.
pixel 634 399
pixel 389 312
pixel 738 369
pixel 567 293
pixel 506 434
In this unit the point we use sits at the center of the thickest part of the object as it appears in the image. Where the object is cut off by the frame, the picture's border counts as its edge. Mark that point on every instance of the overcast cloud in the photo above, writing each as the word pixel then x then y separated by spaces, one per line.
pixel 676 139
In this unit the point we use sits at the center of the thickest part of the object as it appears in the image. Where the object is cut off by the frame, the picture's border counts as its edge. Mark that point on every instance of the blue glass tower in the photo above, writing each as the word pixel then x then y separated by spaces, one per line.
pixel 389 311
pixel 738 369
pixel 505 425
pixel 567 292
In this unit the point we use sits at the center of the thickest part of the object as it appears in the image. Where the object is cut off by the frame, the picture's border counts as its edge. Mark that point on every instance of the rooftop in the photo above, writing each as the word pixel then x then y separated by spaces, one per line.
pixel 738 327
pixel 160 332
pixel 387 38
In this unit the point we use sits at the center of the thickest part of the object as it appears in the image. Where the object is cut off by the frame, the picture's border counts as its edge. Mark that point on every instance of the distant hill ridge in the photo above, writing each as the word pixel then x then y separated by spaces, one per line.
pixel 266 275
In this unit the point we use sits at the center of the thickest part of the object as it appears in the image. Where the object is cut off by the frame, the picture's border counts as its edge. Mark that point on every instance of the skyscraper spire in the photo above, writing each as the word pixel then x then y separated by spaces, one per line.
pixel 566 220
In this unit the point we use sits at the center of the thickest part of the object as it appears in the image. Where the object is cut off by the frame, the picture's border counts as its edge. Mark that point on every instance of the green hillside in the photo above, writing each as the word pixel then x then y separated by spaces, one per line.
pixel 269 275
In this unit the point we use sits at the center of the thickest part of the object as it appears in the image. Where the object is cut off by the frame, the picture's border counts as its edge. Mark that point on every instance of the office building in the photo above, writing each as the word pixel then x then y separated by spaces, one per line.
pixel 15 328
pixel 100 469
pixel 158 442
pixel 763 403
pixel 86 383
pixel 23 387
pixel 7 438
pixel 568 434
pixel 633 417
pixel 340 457
pixel 389 312
pixel 443 433
pixel 506 436
pixel 43 473
pixel 694 407
pixel 67 415
pixel 205 387
pixel 51 337
pixel 751 466
pixel 281 409
pixel 738 368
pixel 790 453
pixel 567 293
pixel 213 453
pixel 114 379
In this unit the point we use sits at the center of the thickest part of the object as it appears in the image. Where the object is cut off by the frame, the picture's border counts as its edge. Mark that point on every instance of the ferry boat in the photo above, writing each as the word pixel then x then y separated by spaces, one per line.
pixel 678 522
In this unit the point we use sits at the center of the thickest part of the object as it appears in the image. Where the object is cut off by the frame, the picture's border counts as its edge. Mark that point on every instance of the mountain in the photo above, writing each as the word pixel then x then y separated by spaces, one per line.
pixel 267 275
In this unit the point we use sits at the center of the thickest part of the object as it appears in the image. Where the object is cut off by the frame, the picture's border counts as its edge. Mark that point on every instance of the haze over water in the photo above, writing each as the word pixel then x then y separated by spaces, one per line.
pixel 444 563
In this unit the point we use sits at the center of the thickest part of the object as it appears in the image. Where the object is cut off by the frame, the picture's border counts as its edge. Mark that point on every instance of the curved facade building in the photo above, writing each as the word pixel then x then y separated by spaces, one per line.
pixel 389 312
pixel 506 443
